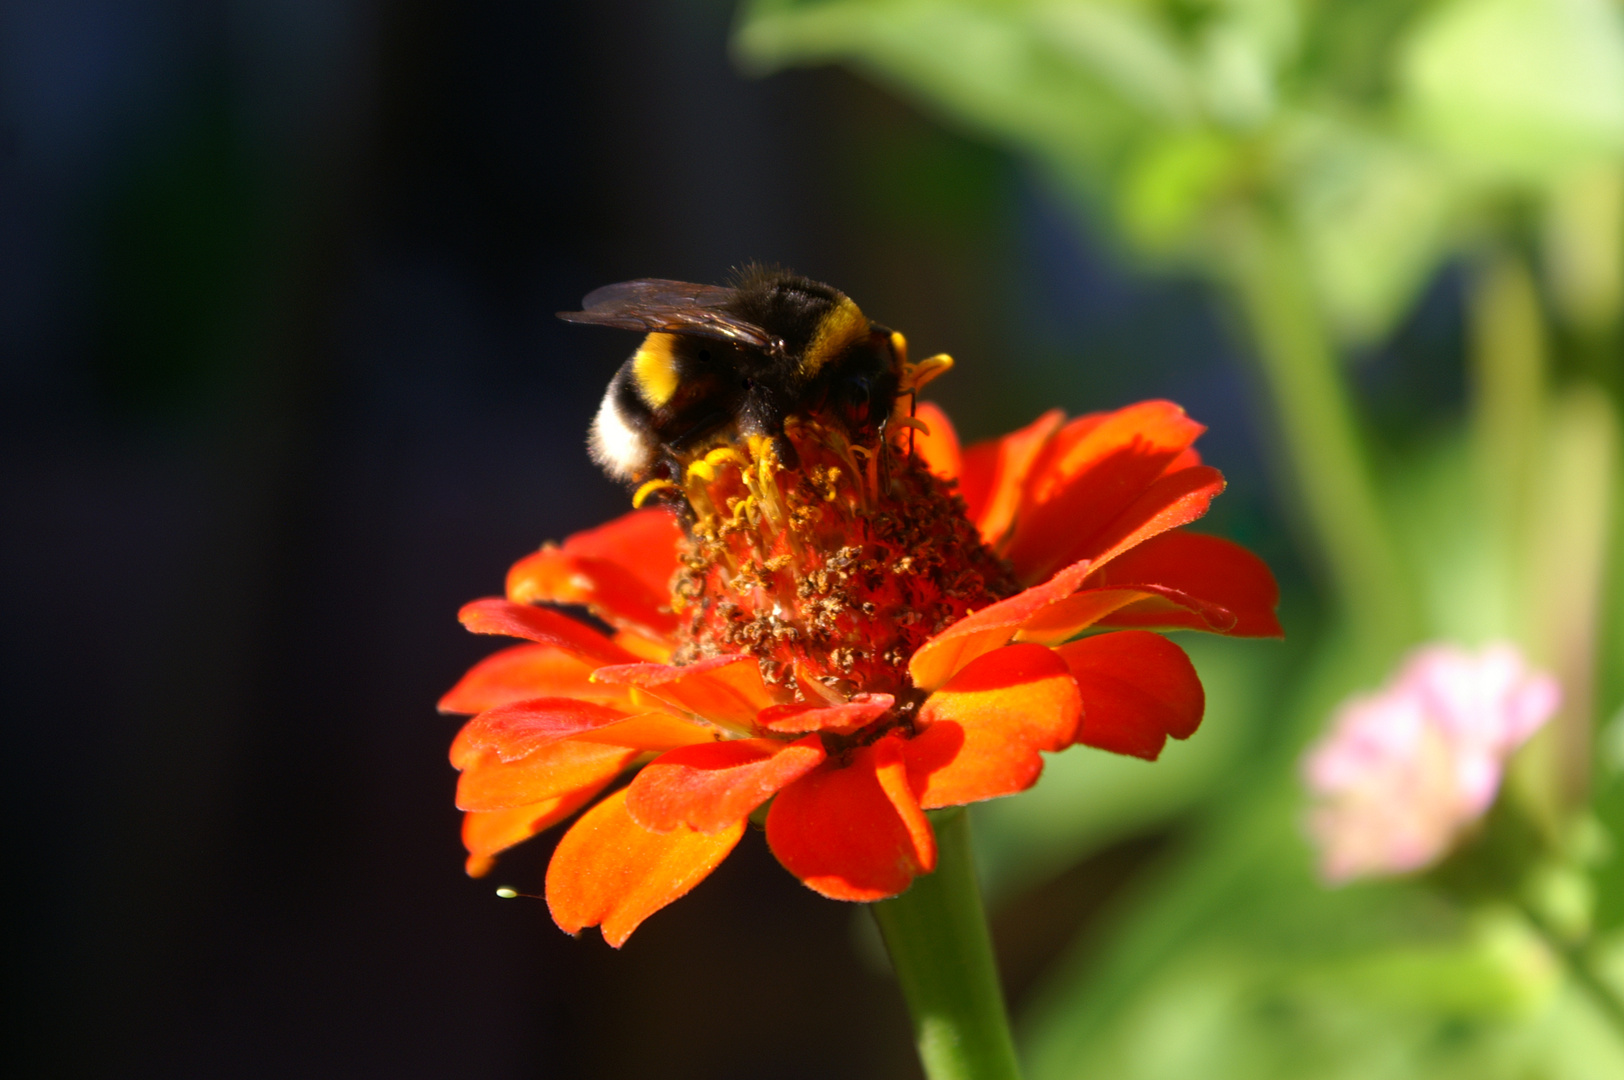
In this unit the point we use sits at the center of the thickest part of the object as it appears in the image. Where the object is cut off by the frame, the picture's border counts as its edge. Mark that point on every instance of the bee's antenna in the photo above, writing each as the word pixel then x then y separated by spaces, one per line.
pixel 913 407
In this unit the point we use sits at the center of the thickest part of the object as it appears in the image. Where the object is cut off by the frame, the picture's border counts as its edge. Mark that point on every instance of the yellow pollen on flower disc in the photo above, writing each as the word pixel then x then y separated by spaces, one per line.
pixel 831 573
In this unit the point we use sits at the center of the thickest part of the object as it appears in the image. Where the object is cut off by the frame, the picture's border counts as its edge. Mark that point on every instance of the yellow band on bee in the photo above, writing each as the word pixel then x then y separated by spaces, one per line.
pixel 844 324
pixel 656 369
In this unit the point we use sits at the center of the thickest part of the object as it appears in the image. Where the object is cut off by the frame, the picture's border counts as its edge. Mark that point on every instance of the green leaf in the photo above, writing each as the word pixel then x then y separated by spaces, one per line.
pixel 1375 217
pixel 1132 53
pixel 1519 89
pixel 992 68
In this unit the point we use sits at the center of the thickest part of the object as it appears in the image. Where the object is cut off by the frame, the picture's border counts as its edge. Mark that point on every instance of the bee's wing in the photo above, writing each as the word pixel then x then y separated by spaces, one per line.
pixel 677 307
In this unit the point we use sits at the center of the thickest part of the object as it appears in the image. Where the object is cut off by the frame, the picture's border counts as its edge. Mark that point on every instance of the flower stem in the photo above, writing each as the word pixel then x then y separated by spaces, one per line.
pixel 1576 958
pixel 1601 993
pixel 936 933
pixel 1317 422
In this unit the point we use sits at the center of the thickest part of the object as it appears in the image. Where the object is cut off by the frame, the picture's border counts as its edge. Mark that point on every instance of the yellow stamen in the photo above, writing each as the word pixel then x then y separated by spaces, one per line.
pixel 744 511
pixel 725 454
pixel 899 345
pixel 915 376
pixel 647 490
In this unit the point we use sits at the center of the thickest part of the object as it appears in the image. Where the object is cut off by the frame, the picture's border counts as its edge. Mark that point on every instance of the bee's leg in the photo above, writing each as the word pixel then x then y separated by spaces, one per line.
pixel 671 465
pixel 883 449
pixel 765 416
pixel 788 456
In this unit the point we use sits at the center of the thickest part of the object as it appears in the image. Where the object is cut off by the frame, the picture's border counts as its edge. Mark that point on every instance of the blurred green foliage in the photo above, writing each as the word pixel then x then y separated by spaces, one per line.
pixel 1320 162
pixel 1386 132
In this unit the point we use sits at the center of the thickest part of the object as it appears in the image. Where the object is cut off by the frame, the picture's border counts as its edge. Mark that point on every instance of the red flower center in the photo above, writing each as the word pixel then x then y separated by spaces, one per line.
pixel 831 574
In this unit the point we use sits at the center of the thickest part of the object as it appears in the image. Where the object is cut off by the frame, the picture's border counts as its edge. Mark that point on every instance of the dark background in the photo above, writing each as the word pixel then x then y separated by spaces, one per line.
pixel 280 387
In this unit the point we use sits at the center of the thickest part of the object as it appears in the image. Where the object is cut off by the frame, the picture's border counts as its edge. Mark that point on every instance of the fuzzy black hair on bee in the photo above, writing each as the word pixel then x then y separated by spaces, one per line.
pixel 723 362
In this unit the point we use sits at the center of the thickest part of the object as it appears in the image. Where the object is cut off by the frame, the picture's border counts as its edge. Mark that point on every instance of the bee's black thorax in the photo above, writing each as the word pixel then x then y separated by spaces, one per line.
pixel 789 306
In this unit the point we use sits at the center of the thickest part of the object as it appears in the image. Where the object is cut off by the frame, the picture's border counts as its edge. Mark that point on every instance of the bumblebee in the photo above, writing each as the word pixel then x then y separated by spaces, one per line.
pixel 724 362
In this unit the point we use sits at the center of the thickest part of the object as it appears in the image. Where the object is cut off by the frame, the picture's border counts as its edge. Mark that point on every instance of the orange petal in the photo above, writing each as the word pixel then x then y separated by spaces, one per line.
pixel 658 731
pixel 526 671
pixel 610 591
pixel 484 835
pixel 807 716
pixel 1065 619
pixel 939 449
pixel 497 616
pixel 711 787
pixel 724 689
pixel 518 729
pixel 993 474
pixel 1176 499
pixel 1186 460
pixel 644 542
pixel 610 871
pixel 983 730
pixel 1152 430
pixel 854 831
pixel 1138 688
pixel 488 783
pixel 1093 471
pixel 1196 574
pixel 644 647
pixel 985 630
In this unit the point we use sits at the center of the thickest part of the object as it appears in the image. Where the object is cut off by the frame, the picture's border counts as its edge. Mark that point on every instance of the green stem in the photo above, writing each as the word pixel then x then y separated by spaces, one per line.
pixel 1576 958
pixel 1507 351
pixel 1605 997
pixel 1316 420
pixel 936 933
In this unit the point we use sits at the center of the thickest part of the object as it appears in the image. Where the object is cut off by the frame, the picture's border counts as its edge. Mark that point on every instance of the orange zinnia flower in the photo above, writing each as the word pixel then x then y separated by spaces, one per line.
pixel 875 633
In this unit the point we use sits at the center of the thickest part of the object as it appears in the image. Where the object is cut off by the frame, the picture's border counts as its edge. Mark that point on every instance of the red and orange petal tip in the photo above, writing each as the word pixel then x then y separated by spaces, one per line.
pixel 995 472
pixel 610 591
pixel 710 787
pixel 1176 499
pixel 808 716
pixel 1137 689
pixel 1065 619
pixel 494 615
pixel 1088 476
pixel 854 831
pixel 989 628
pixel 488 783
pixel 487 834
pixel 518 729
pixel 983 731
pixel 525 671
pixel 723 689
pixel 620 570
pixel 1216 572
pixel 611 872
pixel 643 542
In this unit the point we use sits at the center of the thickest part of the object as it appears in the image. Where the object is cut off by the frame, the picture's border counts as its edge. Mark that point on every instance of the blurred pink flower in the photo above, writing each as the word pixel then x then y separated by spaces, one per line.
pixel 1405 770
